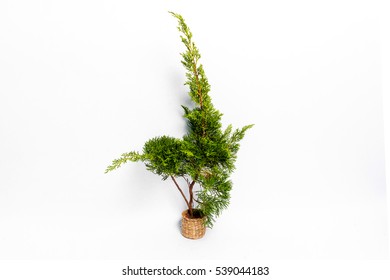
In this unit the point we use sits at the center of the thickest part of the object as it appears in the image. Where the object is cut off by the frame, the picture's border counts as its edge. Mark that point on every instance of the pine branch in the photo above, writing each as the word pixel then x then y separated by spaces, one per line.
pixel 116 163
pixel 197 81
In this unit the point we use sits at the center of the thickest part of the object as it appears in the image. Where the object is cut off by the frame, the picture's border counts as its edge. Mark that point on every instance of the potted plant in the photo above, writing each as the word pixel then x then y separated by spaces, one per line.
pixel 204 157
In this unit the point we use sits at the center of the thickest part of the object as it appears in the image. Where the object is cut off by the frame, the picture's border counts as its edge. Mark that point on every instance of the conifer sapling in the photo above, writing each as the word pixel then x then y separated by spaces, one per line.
pixel 205 155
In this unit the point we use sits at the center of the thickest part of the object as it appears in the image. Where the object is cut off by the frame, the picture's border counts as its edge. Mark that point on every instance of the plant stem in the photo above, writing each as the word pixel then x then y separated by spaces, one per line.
pixel 180 190
pixel 191 202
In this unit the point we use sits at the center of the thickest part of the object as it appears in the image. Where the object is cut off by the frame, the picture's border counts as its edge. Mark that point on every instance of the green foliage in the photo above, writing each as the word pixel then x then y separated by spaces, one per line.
pixel 131 156
pixel 165 156
pixel 206 155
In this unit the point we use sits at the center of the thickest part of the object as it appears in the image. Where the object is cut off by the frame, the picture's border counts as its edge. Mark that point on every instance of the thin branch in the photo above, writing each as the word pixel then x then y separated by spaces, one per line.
pixel 180 190
pixel 186 179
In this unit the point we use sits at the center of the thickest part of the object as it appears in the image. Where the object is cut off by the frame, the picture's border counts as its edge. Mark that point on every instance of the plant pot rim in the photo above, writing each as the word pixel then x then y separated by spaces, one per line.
pixel 184 214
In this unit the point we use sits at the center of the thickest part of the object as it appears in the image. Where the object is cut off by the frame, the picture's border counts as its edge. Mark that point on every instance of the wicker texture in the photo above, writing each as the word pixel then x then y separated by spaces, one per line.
pixel 192 228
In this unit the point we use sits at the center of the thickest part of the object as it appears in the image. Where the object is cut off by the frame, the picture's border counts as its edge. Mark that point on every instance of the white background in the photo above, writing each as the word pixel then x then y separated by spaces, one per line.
pixel 83 81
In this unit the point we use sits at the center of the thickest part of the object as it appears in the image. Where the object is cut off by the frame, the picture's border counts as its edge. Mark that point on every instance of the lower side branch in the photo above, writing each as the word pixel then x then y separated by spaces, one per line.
pixel 180 190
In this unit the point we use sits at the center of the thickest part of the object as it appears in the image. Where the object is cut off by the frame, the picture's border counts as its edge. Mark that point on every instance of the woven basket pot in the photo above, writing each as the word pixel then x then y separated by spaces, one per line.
pixel 192 228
